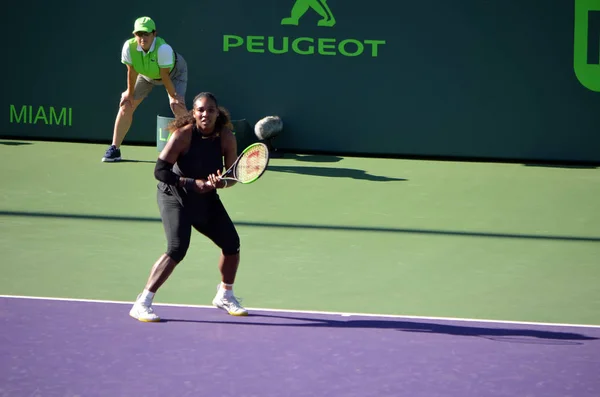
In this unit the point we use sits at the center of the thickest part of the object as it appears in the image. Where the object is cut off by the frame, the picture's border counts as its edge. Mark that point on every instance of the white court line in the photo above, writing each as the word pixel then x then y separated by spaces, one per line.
pixel 343 314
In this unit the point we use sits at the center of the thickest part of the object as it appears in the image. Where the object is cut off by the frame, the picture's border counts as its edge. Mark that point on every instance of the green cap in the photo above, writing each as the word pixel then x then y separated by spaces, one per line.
pixel 144 24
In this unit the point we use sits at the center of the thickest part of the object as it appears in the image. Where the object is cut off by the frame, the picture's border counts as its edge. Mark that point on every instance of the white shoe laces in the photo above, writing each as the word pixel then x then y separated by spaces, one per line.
pixel 233 301
pixel 145 308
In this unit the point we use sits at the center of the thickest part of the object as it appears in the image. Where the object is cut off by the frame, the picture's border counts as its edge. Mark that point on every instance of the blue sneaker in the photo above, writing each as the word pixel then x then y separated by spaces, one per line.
pixel 112 154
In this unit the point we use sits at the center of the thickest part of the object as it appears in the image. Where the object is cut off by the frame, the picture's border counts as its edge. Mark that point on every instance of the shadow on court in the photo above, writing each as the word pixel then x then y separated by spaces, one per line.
pixel 332 173
pixel 133 161
pixel 14 143
pixel 516 335
pixel 572 166
pixel 313 227
pixel 312 158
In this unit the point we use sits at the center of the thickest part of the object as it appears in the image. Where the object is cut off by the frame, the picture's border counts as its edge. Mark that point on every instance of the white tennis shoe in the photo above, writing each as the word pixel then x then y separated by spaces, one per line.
pixel 142 312
pixel 229 303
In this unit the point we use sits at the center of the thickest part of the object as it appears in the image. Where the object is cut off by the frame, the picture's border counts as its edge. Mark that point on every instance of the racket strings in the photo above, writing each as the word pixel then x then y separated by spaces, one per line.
pixel 252 164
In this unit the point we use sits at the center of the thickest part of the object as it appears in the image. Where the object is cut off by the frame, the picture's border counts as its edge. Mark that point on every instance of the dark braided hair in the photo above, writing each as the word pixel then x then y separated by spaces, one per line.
pixel 223 119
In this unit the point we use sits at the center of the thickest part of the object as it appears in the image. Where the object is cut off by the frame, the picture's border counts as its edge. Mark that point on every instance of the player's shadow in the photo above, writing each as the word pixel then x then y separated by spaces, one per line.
pixel 504 334
pixel 332 172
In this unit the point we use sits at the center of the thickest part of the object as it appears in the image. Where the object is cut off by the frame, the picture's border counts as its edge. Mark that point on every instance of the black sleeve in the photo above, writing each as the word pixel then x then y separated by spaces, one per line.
pixel 163 171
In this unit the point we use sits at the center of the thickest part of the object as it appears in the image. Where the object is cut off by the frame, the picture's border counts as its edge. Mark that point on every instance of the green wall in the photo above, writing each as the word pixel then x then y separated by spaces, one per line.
pixel 468 78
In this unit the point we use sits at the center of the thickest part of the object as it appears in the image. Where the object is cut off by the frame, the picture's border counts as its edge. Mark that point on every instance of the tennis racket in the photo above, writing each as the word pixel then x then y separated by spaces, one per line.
pixel 250 164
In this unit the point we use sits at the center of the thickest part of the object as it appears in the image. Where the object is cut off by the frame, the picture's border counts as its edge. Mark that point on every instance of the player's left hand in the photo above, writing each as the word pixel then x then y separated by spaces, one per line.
pixel 215 180
pixel 204 186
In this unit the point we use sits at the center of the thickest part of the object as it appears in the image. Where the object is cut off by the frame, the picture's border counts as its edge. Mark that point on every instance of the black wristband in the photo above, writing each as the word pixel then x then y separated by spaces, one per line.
pixel 189 183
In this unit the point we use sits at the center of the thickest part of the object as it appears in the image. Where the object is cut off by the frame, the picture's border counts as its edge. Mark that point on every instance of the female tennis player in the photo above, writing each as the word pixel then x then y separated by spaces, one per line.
pixel 188 170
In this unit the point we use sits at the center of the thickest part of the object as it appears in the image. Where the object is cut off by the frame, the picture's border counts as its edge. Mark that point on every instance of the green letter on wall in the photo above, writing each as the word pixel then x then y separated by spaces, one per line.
pixel 586 57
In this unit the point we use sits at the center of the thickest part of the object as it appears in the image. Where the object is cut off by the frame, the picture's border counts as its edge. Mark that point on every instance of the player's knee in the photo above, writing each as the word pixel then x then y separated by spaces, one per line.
pixel 232 247
pixel 176 255
pixel 230 251
pixel 177 252
pixel 126 109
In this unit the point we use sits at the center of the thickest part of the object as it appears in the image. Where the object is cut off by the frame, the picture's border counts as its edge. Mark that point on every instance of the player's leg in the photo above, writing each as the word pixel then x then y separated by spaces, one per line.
pixel 179 77
pixel 221 230
pixel 125 118
pixel 178 230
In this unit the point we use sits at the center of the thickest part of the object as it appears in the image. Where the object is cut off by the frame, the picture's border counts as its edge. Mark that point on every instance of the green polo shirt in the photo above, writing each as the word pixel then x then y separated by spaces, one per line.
pixel 147 63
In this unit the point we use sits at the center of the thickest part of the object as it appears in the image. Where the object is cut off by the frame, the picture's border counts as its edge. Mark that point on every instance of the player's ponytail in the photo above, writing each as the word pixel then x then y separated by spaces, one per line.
pixel 223 120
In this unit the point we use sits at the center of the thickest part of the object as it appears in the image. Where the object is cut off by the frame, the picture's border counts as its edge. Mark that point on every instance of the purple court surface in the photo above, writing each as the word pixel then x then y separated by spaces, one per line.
pixel 75 348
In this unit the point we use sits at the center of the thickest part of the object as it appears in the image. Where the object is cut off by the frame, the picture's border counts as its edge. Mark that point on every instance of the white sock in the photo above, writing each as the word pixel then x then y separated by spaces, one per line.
pixel 146 297
pixel 225 292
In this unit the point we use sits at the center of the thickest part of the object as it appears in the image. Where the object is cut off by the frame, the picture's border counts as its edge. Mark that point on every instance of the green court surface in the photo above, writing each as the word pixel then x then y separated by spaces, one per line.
pixel 407 237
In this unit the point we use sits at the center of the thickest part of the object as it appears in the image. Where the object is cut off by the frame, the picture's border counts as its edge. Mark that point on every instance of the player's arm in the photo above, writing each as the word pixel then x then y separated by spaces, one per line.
pixel 132 76
pixel 166 79
pixel 177 145
pixel 166 60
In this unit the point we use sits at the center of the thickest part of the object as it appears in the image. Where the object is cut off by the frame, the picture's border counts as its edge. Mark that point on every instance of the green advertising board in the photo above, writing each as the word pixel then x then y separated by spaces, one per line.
pixel 506 80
